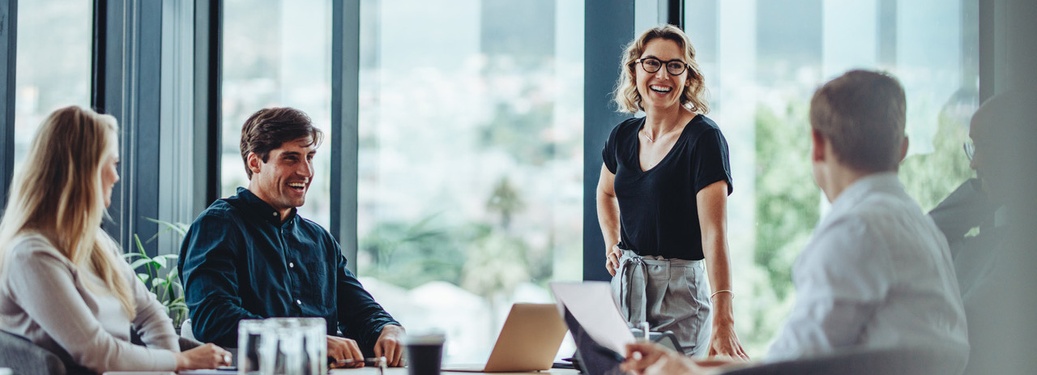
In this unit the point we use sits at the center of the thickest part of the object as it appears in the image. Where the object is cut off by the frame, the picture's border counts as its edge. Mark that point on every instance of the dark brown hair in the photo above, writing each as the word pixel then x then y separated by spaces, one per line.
pixel 863 114
pixel 269 128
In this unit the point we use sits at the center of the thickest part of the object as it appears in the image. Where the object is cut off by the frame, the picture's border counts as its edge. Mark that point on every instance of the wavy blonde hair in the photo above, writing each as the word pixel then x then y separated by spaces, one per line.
pixel 58 193
pixel 694 92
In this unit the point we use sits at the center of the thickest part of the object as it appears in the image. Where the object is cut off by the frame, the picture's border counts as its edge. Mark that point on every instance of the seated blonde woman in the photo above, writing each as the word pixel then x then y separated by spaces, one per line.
pixel 62 283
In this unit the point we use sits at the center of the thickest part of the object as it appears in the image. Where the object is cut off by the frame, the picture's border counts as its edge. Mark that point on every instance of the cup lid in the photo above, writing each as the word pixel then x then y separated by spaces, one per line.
pixel 425 338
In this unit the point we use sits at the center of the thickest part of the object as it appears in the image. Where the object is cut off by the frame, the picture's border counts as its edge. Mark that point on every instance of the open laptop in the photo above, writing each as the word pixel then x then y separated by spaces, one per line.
pixel 529 340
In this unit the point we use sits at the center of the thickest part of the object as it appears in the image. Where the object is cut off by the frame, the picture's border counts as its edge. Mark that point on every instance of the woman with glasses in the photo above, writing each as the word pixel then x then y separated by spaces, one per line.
pixel 62 283
pixel 662 199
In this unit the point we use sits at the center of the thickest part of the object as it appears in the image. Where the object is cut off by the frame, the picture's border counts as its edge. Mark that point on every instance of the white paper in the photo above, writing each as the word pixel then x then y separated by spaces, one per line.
pixel 591 303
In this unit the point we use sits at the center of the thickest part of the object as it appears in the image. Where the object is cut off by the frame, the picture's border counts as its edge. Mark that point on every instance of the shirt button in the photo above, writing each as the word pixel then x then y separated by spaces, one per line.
pixel 298 302
pixel 291 265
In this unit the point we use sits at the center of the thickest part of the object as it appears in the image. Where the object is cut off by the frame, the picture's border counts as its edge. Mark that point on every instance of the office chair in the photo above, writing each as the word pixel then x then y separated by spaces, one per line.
pixel 26 358
pixel 915 361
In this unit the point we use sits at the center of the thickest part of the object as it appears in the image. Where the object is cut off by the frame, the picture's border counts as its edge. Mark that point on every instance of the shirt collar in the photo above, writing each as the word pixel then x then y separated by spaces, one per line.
pixel 260 208
pixel 884 181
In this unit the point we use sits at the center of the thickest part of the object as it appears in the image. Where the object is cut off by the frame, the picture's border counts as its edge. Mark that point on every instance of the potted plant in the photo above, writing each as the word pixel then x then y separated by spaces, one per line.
pixel 159 274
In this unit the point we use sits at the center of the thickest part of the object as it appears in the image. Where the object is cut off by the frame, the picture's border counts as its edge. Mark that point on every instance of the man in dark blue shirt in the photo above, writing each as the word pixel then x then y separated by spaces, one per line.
pixel 251 256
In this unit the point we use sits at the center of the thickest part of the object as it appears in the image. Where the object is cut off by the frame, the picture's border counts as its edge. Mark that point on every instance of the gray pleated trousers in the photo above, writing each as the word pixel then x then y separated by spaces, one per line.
pixel 670 294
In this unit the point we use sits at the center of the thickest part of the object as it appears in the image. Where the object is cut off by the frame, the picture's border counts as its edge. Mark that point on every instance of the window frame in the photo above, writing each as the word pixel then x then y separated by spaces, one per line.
pixel 345 112
pixel 8 63
pixel 127 83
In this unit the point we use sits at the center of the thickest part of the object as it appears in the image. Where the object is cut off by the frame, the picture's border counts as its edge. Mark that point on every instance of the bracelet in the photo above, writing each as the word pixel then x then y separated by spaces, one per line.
pixel 728 291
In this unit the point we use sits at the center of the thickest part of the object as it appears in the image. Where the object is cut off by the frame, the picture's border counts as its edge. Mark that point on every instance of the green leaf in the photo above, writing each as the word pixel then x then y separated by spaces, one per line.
pixel 165 286
pixel 145 262
pixel 179 228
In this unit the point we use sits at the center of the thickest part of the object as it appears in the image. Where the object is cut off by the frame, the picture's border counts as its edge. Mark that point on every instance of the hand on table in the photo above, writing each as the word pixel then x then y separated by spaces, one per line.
pixel 725 343
pixel 344 352
pixel 390 345
pixel 646 358
pixel 207 356
pixel 341 349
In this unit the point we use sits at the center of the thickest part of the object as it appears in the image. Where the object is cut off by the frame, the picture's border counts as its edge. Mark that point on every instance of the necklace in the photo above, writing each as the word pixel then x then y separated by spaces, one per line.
pixel 648 137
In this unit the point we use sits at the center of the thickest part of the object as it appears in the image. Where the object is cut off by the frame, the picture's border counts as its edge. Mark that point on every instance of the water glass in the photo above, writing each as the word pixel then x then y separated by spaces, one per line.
pixel 250 336
pixel 283 346
pixel 315 345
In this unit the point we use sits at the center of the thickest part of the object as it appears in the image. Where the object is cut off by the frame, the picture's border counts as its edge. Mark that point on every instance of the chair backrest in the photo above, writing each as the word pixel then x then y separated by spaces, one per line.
pixel 913 361
pixel 187 342
pixel 26 358
pixel 186 330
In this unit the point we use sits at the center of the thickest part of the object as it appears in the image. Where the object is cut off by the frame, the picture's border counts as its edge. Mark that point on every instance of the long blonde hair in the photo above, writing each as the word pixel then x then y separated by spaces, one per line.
pixel 58 193
pixel 693 94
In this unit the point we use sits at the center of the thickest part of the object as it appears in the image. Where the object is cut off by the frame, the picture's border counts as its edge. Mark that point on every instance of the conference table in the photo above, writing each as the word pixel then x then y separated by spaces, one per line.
pixel 403 371
pixel 362 371
pixel 355 371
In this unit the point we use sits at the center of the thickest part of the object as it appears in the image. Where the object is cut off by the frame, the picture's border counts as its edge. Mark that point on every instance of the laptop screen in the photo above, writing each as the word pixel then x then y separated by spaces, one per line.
pixel 594 358
pixel 597 327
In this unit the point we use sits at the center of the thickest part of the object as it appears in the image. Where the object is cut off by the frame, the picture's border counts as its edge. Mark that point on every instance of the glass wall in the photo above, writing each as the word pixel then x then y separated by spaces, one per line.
pixel 470 160
pixel 277 53
pixel 763 60
pixel 53 63
pixel 471 127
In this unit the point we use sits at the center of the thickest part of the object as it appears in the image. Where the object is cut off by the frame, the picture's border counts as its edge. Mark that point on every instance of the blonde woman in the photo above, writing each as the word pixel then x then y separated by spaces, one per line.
pixel 62 283
pixel 662 199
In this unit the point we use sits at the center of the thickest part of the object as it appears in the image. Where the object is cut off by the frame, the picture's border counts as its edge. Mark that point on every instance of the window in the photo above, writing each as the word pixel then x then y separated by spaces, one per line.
pixel 470 160
pixel 53 63
pixel 761 69
pixel 277 53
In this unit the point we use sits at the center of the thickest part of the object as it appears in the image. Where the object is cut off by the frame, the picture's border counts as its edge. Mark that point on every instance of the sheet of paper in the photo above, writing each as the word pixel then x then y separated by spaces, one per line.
pixel 591 303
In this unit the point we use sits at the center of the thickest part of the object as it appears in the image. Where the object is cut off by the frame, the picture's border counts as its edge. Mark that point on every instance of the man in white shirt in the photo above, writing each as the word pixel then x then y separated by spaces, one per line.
pixel 877 273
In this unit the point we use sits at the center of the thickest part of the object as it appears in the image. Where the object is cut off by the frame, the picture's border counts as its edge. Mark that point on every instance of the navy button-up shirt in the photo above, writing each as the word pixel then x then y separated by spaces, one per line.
pixel 240 261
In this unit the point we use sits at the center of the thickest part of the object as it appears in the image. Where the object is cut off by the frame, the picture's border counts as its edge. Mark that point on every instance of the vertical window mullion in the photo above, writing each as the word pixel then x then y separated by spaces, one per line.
pixel 345 86
pixel 8 58
pixel 128 86
pixel 208 92
pixel 609 26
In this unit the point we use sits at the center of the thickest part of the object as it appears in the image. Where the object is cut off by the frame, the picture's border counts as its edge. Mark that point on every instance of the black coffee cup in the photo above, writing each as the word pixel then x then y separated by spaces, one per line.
pixel 424 353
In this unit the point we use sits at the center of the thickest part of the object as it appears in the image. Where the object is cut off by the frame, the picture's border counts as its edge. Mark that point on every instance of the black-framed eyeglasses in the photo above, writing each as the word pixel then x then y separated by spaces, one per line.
pixel 652 65
pixel 970 150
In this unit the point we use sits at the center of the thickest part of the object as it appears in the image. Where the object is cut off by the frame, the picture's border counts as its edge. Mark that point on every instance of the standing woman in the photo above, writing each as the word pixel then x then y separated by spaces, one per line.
pixel 662 198
pixel 62 283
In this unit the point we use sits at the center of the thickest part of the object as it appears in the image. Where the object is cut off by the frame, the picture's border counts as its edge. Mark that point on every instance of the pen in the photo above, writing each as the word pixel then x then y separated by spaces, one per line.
pixel 645 328
pixel 377 362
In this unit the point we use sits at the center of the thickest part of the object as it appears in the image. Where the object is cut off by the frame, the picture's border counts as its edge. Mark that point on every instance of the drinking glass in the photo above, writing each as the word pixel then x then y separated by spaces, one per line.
pixel 250 335
pixel 283 346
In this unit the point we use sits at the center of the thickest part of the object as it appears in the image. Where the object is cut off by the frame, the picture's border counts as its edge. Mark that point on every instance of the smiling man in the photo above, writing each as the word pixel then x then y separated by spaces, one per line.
pixel 251 256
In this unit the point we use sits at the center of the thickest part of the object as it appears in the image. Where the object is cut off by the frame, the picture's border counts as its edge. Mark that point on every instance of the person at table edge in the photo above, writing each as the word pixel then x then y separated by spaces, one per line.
pixel 252 256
